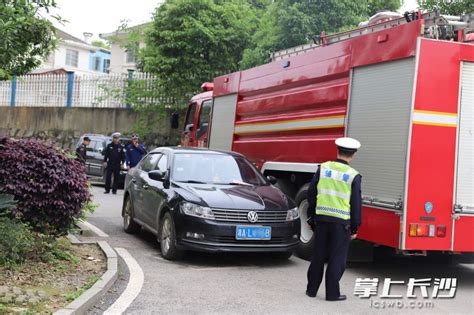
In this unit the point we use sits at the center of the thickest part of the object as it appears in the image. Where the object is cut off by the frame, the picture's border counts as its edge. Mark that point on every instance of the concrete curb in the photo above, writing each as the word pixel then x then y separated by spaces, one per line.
pixel 92 296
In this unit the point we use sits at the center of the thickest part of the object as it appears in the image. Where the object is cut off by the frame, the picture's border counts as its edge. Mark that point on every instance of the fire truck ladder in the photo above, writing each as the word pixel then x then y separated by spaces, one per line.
pixel 436 26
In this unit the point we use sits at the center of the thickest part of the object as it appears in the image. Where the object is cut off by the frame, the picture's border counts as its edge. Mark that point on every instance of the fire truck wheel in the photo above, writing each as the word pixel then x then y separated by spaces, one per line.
pixel 305 247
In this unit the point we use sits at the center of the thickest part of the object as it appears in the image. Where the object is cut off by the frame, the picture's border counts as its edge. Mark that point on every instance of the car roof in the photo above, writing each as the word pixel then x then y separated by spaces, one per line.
pixel 190 150
pixel 94 135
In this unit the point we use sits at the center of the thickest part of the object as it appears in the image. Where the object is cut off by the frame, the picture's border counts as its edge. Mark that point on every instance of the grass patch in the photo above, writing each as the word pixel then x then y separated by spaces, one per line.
pixel 90 282
pixel 63 279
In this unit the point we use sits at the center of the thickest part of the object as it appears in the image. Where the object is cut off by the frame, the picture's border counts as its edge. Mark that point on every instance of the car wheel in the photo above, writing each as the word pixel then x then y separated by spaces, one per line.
pixel 281 255
pixel 305 247
pixel 129 225
pixel 167 238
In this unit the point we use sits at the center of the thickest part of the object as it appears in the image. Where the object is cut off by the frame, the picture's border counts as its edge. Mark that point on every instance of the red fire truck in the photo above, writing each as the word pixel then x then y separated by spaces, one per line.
pixel 403 87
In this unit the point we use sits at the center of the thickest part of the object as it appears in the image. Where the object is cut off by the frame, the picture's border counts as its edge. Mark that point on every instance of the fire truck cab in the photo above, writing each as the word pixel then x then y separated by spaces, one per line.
pixel 403 87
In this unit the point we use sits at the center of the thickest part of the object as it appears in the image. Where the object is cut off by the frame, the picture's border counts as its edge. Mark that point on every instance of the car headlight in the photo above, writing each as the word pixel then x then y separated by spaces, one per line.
pixel 197 210
pixel 292 214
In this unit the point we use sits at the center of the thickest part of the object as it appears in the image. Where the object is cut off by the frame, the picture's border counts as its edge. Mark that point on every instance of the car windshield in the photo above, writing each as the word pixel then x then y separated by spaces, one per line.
pixel 218 169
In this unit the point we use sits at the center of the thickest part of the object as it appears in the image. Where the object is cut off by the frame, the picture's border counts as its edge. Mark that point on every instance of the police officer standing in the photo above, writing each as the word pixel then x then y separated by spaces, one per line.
pixel 113 158
pixel 334 213
pixel 134 152
pixel 81 150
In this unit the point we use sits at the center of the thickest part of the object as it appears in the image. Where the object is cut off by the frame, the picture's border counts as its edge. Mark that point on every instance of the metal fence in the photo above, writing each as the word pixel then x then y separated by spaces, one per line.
pixel 70 90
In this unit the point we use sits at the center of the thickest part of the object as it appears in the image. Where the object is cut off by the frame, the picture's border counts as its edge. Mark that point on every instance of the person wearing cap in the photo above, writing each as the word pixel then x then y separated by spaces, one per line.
pixel 81 151
pixel 334 214
pixel 134 152
pixel 114 156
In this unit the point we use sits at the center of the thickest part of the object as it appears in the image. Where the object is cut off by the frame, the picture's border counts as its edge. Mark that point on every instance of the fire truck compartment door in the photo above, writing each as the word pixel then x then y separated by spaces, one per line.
pixel 379 117
pixel 222 122
pixel 465 158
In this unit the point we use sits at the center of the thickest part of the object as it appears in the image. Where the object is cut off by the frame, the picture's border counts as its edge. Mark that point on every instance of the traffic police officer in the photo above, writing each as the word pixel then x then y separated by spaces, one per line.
pixel 81 150
pixel 134 152
pixel 113 158
pixel 334 214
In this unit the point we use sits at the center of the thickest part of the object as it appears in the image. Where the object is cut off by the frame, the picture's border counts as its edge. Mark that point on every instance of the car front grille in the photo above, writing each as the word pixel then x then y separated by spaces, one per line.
pixel 230 215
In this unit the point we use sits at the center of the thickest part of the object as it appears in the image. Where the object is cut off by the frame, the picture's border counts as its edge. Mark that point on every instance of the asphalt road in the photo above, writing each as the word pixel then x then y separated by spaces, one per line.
pixel 257 284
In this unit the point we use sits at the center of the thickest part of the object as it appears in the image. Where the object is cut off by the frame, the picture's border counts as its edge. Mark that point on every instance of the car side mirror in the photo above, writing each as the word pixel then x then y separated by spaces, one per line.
pixel 157 175
pixel 272 180
pixel 101 150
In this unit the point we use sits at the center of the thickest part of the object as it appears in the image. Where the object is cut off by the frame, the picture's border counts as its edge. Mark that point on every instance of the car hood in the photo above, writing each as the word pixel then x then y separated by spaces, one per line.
pixel 242 197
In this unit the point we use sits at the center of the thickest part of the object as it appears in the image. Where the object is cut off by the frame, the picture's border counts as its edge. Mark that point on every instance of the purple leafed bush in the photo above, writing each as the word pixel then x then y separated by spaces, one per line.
pixel 50 187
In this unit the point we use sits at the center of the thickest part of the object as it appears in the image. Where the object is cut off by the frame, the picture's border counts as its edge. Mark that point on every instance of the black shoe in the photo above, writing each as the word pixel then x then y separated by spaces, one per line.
pixel 114 192
pixel 310 294
pixel 341 297
pixel 106 192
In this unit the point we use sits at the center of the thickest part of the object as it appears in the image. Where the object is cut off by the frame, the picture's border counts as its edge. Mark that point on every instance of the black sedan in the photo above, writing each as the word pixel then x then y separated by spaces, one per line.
pixel 195 199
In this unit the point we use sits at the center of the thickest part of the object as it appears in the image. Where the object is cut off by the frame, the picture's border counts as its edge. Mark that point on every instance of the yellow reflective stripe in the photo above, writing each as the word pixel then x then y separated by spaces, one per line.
pixel 334 193
pixel 433 118
pixel 336 121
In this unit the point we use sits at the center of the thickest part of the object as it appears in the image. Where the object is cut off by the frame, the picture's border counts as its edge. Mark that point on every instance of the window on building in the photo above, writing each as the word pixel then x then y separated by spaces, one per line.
pixel 72 58
pixel 106 66
pixel 97 61
pixel 130 58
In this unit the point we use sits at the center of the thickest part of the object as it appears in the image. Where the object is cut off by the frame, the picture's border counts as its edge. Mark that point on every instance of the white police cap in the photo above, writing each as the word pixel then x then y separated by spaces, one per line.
pixel 349 144
pixel 116 135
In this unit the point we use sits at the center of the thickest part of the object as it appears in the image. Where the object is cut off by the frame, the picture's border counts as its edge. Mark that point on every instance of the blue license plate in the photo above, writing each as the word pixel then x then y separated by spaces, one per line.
pixel 245 232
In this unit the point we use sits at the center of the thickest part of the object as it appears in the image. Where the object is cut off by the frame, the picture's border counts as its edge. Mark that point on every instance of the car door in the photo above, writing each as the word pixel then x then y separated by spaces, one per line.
pixel 140 185
pixel 189 133
pixel 95 158
pixel 156 194
pixel 202 131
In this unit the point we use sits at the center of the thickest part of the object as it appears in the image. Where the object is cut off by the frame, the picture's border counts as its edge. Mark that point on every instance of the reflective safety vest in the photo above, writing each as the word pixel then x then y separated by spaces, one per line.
pixel 334 190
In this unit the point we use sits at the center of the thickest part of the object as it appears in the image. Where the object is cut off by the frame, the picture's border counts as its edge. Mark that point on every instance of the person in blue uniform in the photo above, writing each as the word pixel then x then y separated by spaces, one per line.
pixel 334 214
pixel 81 150
pixel 114 156
pixel 134 152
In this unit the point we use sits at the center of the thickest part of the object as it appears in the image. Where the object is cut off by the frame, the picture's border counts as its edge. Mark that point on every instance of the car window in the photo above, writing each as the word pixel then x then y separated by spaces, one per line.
pixel 149 162
pixel 92 146
pixel 99 145
pixel 203 123
pixel 162 164
pixel 216 169
pixel 190 118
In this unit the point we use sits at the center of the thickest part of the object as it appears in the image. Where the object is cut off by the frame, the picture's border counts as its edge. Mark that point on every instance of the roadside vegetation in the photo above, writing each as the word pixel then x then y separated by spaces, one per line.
pixel 190 42
pixel 43 192
pixel 27 35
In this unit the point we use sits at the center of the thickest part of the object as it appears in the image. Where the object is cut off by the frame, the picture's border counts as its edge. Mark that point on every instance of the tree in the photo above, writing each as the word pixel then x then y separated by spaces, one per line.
pixel 191 41
pixel 27 37
pixel 289 23
pixel 100 44
pixel 451 7
pixel 375 6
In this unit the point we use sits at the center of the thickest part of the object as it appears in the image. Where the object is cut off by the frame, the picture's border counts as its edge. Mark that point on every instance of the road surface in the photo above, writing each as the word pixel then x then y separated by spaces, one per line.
pixel 257 284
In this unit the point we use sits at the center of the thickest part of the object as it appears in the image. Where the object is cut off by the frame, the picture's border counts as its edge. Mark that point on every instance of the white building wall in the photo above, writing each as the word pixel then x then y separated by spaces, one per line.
pixel 83 59
pixel 57 59
pixel 118 59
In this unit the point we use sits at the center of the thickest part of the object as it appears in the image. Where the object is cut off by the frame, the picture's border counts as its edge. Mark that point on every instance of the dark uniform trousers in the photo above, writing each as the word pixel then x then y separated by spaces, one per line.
pixel 331 244
pixel 112 170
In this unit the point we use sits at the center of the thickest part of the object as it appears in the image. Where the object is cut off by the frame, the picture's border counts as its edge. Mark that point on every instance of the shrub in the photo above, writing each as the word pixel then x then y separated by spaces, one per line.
pixel 7 202
pixel 49 186
pixel 20 244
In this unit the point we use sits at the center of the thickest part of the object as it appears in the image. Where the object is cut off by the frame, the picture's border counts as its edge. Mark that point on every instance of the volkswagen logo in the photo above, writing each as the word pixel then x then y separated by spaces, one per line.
pixel 252 216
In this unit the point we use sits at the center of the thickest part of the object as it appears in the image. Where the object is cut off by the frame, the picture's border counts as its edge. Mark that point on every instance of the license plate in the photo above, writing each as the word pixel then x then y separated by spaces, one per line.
pixel 244 232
